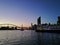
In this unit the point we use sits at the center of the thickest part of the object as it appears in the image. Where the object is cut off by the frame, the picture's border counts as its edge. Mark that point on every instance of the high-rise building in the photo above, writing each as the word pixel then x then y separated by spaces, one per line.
pixel 39 21
pixel 58 22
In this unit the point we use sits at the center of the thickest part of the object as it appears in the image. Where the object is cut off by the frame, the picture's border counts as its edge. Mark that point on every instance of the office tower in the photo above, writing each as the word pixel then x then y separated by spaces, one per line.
pixel 58 22
pixel 39 21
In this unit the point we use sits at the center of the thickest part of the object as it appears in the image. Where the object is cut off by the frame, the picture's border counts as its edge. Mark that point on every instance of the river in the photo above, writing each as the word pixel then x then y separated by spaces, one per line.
pixel 28 37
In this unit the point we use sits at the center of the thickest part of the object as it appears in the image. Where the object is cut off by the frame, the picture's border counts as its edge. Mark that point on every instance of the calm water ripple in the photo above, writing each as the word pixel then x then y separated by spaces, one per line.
pixel 28 37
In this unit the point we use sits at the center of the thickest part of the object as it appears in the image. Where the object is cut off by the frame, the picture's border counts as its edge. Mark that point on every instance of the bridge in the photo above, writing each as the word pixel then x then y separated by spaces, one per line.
pixel 9 27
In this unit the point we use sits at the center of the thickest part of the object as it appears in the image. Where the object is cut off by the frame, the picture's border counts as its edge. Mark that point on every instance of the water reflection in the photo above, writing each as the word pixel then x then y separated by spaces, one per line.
pixel 48 39
pixel 28 37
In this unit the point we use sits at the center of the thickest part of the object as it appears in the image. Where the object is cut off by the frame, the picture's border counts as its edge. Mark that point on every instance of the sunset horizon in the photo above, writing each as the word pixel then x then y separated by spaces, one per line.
pixel 29 22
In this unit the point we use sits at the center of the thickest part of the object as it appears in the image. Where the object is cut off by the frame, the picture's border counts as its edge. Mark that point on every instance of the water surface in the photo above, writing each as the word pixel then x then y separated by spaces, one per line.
pixel 28 37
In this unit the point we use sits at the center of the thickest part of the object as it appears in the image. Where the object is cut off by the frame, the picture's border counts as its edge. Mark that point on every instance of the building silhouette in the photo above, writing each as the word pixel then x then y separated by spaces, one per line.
pixel 39 21
pixel 58 22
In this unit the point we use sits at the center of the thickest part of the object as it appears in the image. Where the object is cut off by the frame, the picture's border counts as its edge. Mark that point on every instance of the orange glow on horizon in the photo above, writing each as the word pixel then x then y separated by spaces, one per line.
pixel 17 24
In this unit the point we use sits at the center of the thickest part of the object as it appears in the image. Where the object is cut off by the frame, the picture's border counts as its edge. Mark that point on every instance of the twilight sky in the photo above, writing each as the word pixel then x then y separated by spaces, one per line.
pixel 24 12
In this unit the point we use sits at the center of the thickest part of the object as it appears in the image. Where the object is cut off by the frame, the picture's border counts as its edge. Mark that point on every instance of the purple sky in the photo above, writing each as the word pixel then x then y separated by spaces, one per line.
pixel 20 12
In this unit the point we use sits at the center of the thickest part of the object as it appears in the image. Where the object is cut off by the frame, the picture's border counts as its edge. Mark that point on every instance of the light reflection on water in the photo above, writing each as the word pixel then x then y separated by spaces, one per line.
pixel 28 37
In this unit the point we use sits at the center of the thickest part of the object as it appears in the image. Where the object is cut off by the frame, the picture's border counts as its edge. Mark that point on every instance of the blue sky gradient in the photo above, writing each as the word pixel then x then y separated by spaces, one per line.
pixel 24 12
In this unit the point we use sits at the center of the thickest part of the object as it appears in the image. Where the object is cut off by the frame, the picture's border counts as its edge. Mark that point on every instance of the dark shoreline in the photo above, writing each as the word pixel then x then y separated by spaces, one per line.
pixel 48 31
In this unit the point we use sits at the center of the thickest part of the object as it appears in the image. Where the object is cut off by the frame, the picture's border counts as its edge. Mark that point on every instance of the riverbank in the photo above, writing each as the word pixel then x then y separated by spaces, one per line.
pixel 49 31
